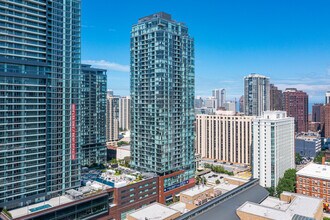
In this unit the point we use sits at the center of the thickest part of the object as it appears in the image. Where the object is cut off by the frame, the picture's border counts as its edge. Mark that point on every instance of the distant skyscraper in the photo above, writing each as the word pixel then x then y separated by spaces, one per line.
pixel 296 105
pixel 39 100
pixel 317 112
pixel 276 98
pixel 109 93
pixel 198 102
pixel 273 147
pixel 94 100
pixel 210 102
pixel 327 97
pixel 112 118
pixel 327 121
pixel 241 104
pixel 162 96
pixel 125 113
pixel 220 95
pixel 256 94
pixel 230 106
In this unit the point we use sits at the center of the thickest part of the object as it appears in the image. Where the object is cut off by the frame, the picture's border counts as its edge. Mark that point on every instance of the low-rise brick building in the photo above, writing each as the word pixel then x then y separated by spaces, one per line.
pixel 314 180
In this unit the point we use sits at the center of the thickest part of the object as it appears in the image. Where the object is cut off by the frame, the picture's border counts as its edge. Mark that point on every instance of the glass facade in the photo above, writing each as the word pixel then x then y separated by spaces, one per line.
pixel 94 91
pixel 39 92
pixel 162 97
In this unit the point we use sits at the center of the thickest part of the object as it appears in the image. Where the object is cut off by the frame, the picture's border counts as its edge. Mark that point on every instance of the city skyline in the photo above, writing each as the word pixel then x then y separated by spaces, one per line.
pixel 288 45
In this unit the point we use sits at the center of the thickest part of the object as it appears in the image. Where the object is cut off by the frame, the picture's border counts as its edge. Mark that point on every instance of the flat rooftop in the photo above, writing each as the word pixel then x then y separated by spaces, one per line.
pixel 226 209
pixel 195 190
pixel 19 212
pixel 155 211
pixel 231 167
pixel 179 206
pixel 225 187
pixel 315 171
pixel 274 208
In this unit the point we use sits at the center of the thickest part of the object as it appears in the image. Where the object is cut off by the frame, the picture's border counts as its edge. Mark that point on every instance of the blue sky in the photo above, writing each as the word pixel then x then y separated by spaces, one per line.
pixel 287 40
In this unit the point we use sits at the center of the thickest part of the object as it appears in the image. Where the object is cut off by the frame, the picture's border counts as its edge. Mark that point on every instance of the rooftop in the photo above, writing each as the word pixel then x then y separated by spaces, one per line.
pixel 256 75
pixel 155 211
pixel 226 208
pixel 316 171
pixel 311 136
pixel 19 212
pixel 162 15
pixel 114 177
pixel 179 206
pixel 273 208
pixel 195 190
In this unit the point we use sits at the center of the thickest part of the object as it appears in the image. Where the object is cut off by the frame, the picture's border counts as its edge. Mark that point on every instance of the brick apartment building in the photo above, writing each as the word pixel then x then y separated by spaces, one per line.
pixel 295 103
pixel 314 180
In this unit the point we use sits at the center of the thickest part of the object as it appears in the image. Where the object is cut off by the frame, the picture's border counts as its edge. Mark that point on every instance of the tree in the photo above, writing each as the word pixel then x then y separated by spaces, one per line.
pixel 287 182
pixel 298 158
pixel 318 158
pixel 271 190
pixel 217 182
pixel 218 169
pixel 121 143
pixel 113 161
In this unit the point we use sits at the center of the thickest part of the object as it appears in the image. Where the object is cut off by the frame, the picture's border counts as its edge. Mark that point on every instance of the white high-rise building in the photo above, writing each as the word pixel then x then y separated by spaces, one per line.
pixel 273 147
pixel 220 95
pixel 211 102
pixel 125 113
pixel 230 106
pixel 256 94
pixel 224 136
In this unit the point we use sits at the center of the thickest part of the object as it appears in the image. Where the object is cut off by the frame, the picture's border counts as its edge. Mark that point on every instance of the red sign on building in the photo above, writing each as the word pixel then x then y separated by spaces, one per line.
pixel 73 132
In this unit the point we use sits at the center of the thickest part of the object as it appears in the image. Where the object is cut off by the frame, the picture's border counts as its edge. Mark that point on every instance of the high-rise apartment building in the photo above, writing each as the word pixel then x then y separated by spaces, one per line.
pixel 230 106
pixel 224 136
pixel 199 103
pixel 273 147
pixel 94 100
pixel 295 103
pixel 40 83
pixel 317 112
pixel 125 113
pixel 276 98
pixel 112 118
pixel 256 94
pixel 211 102
pixel 326 109
pixel 220 95
pixel 162 96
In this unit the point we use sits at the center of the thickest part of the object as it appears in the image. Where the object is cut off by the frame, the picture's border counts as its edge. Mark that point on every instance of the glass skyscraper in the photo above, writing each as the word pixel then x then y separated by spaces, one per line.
pixel 39 99
pixel 94 101
pixel 256 94
pixel 162 97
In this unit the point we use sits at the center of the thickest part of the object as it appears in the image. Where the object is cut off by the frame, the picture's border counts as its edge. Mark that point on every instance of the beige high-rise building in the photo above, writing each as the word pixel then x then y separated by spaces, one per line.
pixel 125 113
pixel 112 118
pixel 225 136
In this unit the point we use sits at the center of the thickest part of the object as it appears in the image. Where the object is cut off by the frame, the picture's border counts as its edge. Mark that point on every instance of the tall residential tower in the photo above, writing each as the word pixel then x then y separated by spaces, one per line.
pixel 220 95
pixel 94 93
pixel 256 94
pixel 162 96
pixel 272 147
pixel 40 83
pixel 295 103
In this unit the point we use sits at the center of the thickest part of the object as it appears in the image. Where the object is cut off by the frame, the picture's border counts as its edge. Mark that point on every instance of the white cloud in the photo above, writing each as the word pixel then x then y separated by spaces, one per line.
pixel 110 66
